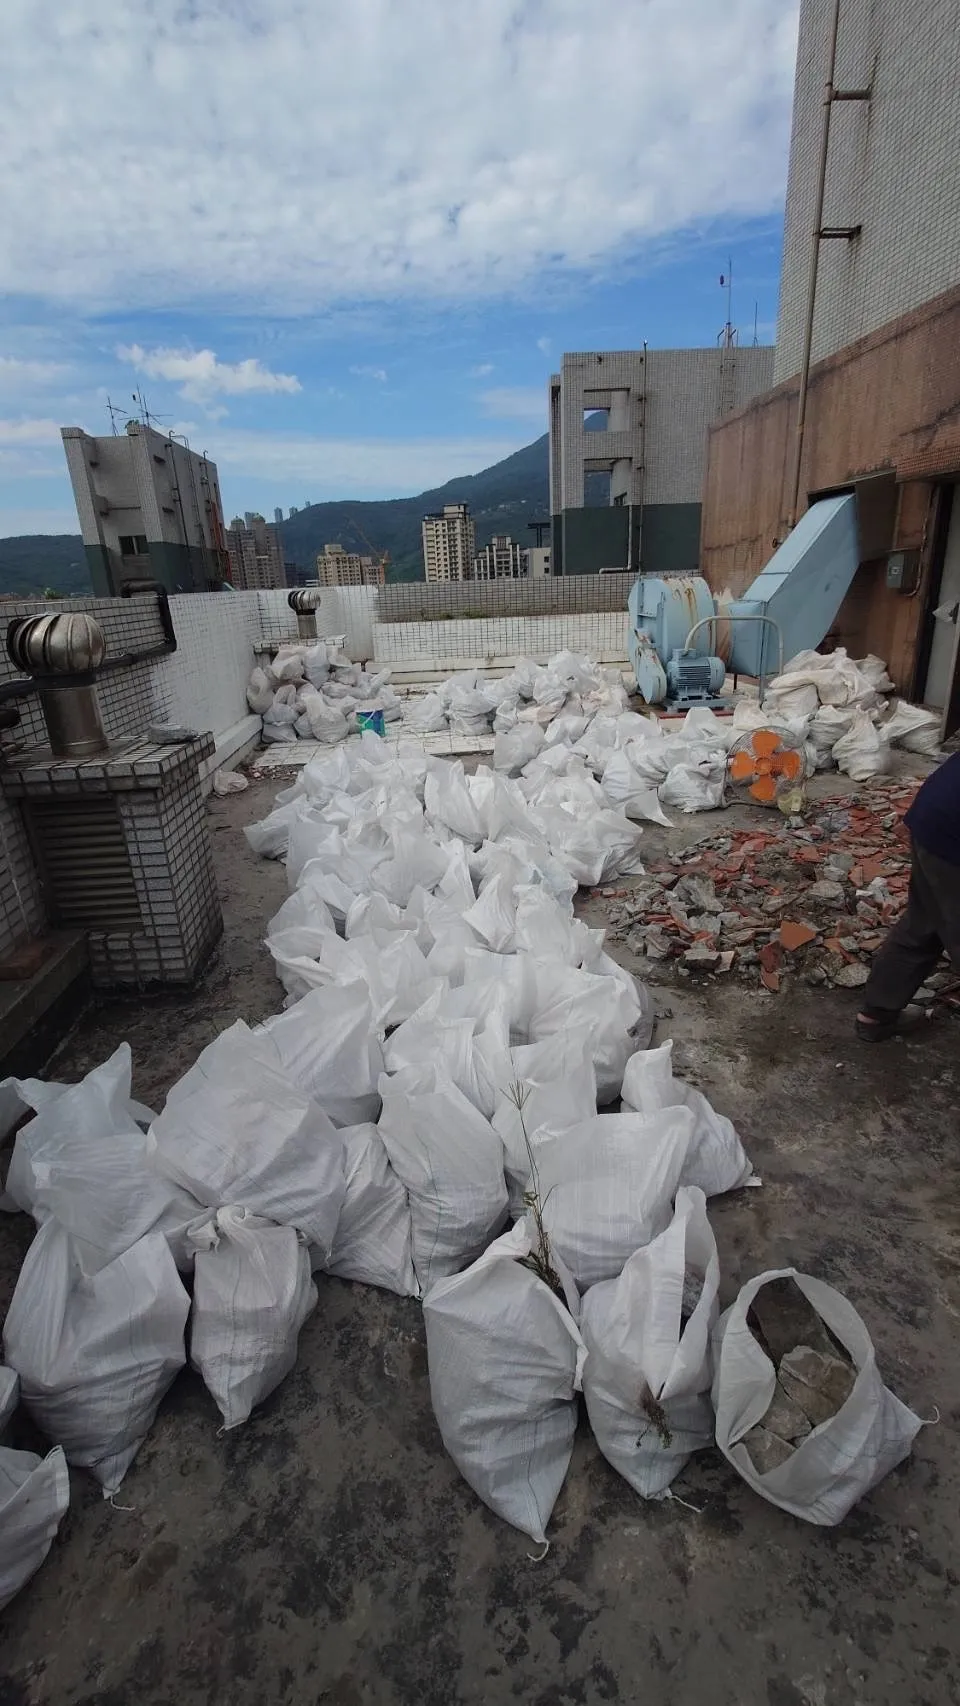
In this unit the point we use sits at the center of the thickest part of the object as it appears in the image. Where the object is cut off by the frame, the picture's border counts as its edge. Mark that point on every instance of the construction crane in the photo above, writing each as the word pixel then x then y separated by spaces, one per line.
pixel 381 558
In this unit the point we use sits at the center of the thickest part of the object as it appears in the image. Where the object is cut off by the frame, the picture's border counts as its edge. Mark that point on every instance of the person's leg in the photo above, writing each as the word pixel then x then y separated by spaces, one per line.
pixel 914 945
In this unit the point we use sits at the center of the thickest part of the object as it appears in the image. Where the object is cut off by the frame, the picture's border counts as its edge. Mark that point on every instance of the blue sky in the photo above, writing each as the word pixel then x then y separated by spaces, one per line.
pixel 344 247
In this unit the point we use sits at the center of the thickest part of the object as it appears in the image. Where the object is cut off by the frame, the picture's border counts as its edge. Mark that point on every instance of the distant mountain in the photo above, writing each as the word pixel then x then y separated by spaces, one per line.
pixel 31 562
pixel 502 499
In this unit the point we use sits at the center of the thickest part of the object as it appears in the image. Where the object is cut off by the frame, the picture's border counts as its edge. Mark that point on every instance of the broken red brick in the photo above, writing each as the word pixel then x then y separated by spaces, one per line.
pixel 770 956
pixel 770 980
pixel 835 946
pixel 793 936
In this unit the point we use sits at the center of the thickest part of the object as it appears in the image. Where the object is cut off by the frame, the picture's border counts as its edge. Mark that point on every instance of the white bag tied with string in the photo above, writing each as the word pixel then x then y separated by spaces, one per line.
pixel 236 1131
pixel 96 1355
pixel 252 1292
pixel 373 1244
pixel 716 1160
pixel 506 1362
pixel 647 1376
pixel 842 1459
pixel 451 1161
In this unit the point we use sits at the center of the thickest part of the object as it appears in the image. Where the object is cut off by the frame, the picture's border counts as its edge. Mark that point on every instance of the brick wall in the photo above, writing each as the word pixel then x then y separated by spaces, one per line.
pixel 892 168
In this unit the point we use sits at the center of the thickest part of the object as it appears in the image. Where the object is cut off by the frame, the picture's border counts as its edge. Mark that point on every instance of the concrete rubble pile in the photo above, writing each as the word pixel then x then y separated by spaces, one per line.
pixel 459 1103
pixel 809 900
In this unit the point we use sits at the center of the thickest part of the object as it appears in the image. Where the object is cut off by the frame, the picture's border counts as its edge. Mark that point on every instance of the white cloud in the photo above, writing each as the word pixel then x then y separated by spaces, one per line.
pixel 210 171
pixel 15 375
pixel 544 345
pixel 200 377
pixel 481 371
pixel 378 373
pixel 516 403
pixel 32 434
pixel 338 467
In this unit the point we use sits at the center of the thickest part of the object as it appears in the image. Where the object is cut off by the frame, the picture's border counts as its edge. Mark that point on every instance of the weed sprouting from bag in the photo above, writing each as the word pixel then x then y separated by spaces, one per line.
pixel 657 1418
pixel 539 1259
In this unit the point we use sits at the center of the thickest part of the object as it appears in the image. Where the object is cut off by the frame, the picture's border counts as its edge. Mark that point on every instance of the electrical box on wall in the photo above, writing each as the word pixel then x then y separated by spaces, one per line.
pixel 903 571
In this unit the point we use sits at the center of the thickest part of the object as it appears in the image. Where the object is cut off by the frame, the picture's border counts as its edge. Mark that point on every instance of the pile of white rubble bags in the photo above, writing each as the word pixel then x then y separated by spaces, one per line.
pixel 843 711
pixel 571 719
pixel 314 693
pixel 458 1103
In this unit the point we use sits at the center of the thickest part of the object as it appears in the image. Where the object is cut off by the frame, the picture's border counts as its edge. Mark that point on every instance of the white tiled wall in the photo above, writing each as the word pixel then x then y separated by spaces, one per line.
pixel 202 684
pixel 495 640
pixel 892 168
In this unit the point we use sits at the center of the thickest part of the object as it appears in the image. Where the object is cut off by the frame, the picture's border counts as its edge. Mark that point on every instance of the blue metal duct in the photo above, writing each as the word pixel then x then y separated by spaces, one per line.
pixel 801 588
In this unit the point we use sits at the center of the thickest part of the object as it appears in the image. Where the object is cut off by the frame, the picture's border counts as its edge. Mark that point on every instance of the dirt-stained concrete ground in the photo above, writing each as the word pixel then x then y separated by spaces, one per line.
pixel 328 1553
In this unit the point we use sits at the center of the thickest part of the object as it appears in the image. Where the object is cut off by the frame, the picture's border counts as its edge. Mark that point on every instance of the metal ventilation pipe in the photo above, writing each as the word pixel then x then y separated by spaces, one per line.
pixel 303 601
pixel 63 653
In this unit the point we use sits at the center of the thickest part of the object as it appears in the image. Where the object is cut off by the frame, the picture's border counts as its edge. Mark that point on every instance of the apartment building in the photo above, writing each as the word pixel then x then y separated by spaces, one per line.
pixel 502 559
pixel 337 567
pixel 149 509
pixel 256 553
pixel 449 544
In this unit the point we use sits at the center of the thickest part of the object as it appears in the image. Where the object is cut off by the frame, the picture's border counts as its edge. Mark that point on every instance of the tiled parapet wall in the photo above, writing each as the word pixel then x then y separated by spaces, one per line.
pixel 126 695
pixel 603 635
pixel 570 595
pixel 161 813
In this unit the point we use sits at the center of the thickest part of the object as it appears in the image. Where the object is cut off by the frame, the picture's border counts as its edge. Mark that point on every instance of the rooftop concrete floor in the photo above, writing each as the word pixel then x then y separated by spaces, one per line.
pixel 328 1553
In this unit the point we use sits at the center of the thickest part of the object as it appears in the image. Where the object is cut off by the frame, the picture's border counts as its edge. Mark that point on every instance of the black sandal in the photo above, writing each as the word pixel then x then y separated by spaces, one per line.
pixel 876 1025
pixel 877 1030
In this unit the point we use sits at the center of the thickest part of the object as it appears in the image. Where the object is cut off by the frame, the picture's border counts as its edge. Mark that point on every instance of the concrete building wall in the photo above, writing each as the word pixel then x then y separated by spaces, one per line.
pixel 892 168
pixel 659 405
pixel 148 508
pixel 888 405
pixel 537 561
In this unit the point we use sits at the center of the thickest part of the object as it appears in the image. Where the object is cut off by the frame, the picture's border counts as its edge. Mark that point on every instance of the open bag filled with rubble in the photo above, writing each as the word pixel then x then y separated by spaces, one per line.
pixel 802 1411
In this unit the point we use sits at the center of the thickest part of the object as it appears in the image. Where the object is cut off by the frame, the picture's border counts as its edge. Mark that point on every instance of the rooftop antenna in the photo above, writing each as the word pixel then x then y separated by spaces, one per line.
pixel 756 311
pixel 113 411
pixel 728 336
